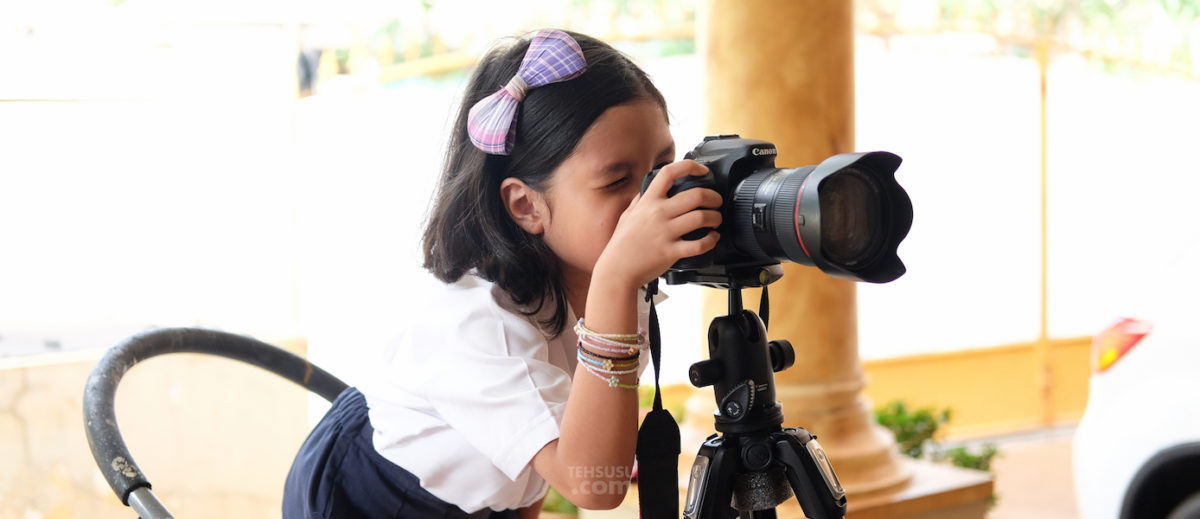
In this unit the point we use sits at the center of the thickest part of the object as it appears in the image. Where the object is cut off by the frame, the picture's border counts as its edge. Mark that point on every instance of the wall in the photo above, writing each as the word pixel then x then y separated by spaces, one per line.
pixel 989 390
pixel 214 437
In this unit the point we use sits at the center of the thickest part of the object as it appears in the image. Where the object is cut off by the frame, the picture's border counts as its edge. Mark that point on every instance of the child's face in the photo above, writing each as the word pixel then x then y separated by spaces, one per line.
pixel 589 191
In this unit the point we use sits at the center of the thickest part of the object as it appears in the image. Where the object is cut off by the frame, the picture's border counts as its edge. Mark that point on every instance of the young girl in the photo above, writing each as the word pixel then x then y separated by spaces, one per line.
pixel 523 372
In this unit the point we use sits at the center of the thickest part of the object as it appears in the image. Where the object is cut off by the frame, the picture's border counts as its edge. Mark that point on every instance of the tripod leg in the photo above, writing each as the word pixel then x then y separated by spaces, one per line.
pixel 812 478
pixel 710 489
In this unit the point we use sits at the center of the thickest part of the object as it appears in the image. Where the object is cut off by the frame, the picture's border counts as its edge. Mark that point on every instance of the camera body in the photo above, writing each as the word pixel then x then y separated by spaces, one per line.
pixel 845 216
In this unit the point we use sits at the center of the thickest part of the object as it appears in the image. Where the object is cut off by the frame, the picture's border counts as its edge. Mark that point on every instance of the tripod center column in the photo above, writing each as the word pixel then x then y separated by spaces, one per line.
pixel 783 71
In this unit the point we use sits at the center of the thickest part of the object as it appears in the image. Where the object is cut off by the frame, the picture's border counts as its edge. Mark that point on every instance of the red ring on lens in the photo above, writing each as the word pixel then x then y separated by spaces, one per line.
pixel 796 216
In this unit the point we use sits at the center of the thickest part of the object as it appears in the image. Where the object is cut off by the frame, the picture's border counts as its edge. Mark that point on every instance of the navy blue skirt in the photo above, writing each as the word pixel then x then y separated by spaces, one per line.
pixel 338 473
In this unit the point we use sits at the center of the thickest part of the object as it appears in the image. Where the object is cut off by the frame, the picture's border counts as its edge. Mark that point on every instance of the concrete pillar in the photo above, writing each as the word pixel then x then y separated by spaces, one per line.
pixel 783 71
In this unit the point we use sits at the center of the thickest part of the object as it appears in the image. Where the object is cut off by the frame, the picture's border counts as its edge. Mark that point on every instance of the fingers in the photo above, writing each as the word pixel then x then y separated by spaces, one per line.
pixel 690 199
pixel 668 219
pixel 693 220
pixel 689 248
pixel 672 172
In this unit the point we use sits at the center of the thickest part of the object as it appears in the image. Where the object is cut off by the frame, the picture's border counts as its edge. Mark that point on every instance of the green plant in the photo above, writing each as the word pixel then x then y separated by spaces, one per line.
pixel 555 503
pixel 913 429
pixel 961 457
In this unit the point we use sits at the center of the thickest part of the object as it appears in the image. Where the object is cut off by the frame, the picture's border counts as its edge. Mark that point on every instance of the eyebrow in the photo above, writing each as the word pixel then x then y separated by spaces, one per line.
pixel 670 149
pixel 622 167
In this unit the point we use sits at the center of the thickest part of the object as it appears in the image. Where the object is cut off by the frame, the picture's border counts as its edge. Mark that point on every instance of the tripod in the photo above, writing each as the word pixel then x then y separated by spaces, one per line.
pixel 753 463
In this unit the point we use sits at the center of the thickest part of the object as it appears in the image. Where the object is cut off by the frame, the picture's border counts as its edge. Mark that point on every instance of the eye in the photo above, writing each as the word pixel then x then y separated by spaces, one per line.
pixel 618 182
pixel 663 164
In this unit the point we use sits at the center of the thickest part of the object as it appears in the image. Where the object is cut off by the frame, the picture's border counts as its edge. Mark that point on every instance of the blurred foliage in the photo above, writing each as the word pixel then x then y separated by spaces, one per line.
pixel 962 457
pixel 676 407
pixel 443 31
pixel 916 432
pixel 659 47
pixel 555 503
pixel 1118 34
pixel 1097 14
pixel 915 429
pixel 1155 35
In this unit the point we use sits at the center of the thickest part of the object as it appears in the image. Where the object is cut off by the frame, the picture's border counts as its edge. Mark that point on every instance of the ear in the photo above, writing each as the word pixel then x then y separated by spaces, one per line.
pixel 525 206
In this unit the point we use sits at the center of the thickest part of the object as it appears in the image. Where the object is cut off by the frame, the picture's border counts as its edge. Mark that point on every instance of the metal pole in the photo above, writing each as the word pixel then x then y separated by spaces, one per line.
pixel 147 505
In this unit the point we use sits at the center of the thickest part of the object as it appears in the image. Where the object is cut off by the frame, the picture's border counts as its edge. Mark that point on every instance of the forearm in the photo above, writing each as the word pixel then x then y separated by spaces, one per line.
pixel 599 429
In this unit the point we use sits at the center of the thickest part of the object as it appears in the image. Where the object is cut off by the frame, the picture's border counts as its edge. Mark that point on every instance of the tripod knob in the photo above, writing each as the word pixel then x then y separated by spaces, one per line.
pixel 782 355
pixel 757 455
pixel 705 373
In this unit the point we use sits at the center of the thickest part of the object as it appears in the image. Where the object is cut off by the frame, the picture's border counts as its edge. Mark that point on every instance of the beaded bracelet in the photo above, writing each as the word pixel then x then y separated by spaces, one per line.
pixel 608 363
pixel 601 347
pixel 618 338
pixel 632 369
pixel 626 371
pixel 609 346
pixel 611 342
pixel 614 343
pixel 612 381
pixel 599 356
pixel 596 370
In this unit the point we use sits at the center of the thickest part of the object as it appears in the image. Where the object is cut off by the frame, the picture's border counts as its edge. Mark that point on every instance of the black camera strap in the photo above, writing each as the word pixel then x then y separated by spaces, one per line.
pixel 764 308
pixel 658 440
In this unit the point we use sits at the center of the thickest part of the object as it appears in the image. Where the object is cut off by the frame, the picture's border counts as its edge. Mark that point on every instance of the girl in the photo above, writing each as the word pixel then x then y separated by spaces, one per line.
pixel 500 388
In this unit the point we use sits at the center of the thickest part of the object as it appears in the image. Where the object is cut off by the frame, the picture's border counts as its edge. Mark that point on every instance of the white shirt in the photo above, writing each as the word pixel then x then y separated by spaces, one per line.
pixel 471 392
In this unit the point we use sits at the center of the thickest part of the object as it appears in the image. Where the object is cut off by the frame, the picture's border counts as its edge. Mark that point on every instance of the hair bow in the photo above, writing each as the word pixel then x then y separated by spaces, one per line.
pixel 553 56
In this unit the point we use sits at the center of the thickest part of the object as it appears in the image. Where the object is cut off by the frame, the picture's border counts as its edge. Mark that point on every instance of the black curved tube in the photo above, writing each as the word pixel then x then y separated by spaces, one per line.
pixel 99 411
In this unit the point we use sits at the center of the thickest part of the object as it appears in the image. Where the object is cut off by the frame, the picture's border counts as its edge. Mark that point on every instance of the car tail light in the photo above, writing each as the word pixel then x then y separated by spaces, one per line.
pixel 1115 341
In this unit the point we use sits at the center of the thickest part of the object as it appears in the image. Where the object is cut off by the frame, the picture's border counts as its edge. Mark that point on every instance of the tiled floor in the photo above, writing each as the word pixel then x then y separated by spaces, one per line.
pixel 1033 476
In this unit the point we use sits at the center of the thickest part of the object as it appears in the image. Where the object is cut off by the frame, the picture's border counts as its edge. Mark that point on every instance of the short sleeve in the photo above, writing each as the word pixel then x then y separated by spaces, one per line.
pixel 496 386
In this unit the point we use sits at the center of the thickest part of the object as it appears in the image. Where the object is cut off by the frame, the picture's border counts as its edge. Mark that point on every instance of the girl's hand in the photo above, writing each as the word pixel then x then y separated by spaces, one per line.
pixel 649 235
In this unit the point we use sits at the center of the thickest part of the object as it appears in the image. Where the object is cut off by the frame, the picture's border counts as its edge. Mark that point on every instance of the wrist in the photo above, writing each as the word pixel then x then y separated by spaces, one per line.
pixel 612 301
pixel 613 273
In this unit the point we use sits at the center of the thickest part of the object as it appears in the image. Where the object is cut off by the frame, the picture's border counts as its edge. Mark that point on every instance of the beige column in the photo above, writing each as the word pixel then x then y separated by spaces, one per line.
pixel 783 71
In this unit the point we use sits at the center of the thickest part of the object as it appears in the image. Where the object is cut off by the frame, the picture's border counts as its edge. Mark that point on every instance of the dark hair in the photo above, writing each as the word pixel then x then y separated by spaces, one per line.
pixel 469 227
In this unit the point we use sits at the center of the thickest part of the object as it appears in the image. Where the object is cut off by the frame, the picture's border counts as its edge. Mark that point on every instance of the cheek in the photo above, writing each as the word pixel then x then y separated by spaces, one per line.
pixel 611 216
pixel 594 235
pixel 581 240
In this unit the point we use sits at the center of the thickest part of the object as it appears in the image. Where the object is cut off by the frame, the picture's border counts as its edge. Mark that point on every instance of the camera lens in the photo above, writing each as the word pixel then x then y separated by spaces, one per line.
pixel 850 222
pixel 764 210
pixel 846 219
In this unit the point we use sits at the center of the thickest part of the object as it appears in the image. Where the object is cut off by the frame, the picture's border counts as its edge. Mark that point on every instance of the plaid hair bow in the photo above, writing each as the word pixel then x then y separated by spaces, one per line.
pixel 553 56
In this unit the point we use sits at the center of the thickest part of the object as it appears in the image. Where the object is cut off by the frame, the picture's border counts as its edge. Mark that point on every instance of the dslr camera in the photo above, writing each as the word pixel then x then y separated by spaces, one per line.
pixel 846 215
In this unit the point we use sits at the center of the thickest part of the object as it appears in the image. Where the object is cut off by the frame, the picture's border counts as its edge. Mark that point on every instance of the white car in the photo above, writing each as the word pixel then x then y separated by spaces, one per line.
pixel 1137 448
